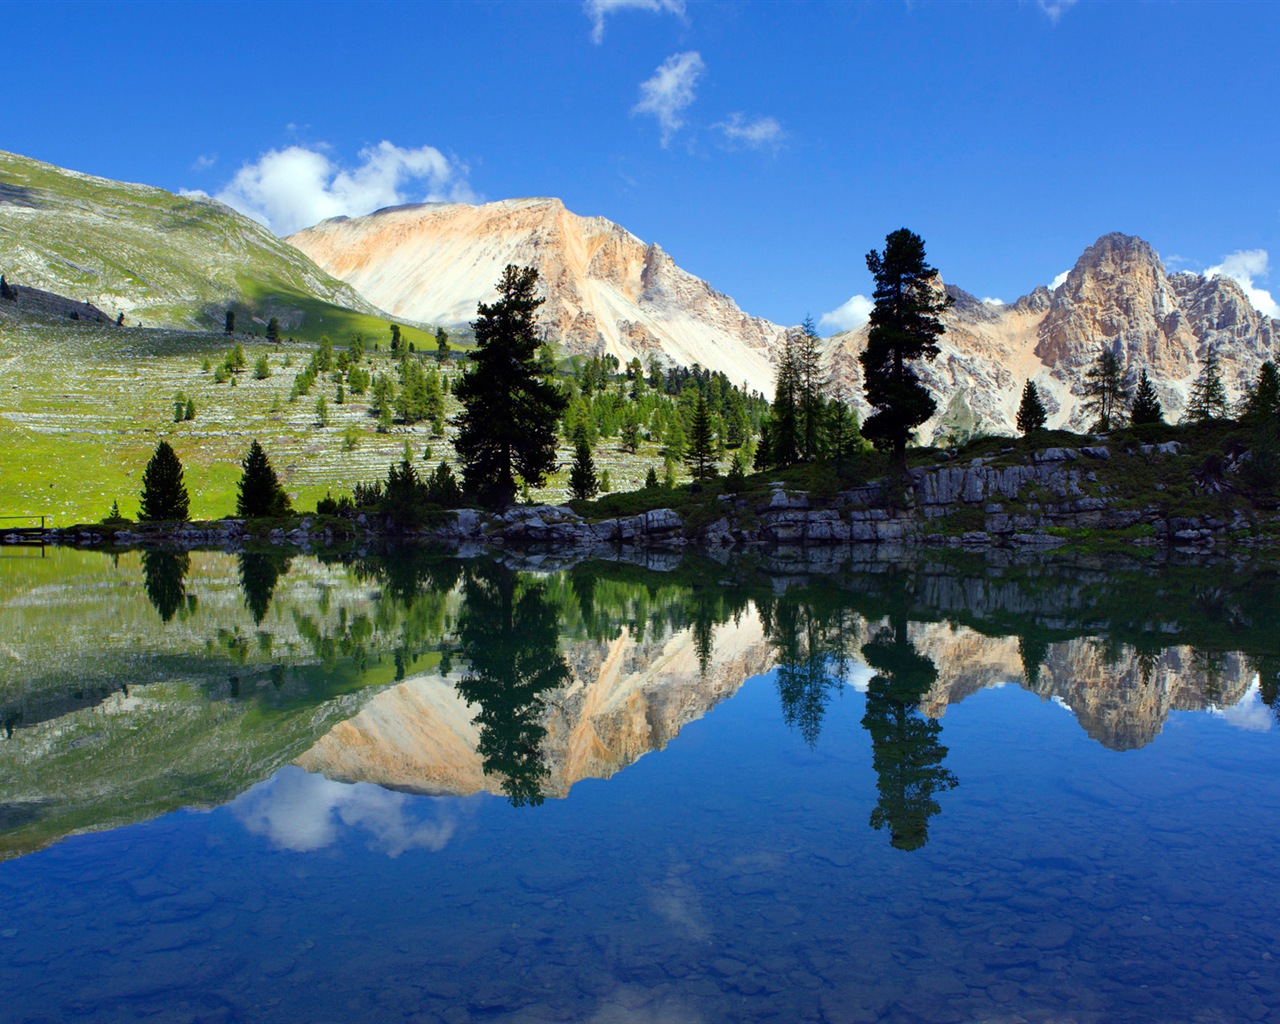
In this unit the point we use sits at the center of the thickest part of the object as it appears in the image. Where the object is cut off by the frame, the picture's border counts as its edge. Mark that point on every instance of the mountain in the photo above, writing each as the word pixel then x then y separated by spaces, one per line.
pixel 157 257
pixel 606 290
pixel 1117 295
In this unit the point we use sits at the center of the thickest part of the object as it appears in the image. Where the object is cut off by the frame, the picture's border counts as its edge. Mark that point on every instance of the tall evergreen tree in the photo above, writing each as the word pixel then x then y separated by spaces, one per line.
pixel 583 483
pixel 442 345
pixel 1104 391
pixel 164 495
pixel 229 322
pixel 784 433
pixel 259 492
pixel 273 330
pixel 904 328
pixel 1031 414
pixel 811 404
pixel 510 409
pixel 701 457
pixel 1208 395
pixel 1262 404
pixel 1146 403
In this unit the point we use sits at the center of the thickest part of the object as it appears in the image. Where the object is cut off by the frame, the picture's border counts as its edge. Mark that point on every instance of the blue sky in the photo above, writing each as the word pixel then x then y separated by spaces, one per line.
pixel 766 146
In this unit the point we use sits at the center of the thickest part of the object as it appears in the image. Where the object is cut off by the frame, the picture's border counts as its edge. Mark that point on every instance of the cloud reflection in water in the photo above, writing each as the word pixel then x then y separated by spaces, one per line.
pixel 301 811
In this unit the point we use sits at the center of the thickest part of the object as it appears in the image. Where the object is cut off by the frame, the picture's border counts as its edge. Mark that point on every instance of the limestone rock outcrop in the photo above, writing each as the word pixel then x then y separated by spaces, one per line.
pixel 606 291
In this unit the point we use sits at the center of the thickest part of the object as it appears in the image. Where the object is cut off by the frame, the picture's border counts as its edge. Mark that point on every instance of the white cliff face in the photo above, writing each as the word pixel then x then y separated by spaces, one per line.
pixel 1117 296
pixel 606 290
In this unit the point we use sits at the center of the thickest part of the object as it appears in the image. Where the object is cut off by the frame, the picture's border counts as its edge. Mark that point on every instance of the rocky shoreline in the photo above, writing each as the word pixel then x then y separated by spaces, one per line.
pixel 1051 501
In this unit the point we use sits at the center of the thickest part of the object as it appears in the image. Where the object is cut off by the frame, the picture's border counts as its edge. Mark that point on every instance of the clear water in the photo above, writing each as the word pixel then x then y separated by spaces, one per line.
pixel 1097 844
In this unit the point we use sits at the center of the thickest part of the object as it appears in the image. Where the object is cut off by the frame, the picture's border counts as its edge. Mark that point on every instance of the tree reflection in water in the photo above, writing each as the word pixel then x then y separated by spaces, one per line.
pixel 259 574
pixel 508 632
pixel 906 754
pixel 164 574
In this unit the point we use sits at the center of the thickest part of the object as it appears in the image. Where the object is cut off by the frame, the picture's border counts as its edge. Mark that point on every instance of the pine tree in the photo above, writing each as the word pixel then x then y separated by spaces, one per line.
pixel 164 495
pixel 229 322
pixel 1262 404
pixel 273 331
pixel 811 400
pixel 510 409
pixel 651 480
pixel 1104 391
pixel 583 484
pixel 904 328
pixel 1031 414
pixel 1208 395
pixel 259 492
pixel 1146 404
pixel 701 456
pixel 735 479
pixel 442 345
pixel 262 367
pixel 395 337
pixel 784 423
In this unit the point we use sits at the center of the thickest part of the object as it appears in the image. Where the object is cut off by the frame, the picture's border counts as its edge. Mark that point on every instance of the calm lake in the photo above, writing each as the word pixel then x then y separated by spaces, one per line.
pixel 416 788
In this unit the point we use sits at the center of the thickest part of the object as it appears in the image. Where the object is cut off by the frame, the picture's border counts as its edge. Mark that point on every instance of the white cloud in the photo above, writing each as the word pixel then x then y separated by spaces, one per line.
pixel 598 10
pixel 1055 9
pixel 993 302
pixel 1249 713
pixel 300 811
pixel 193 193
pixel 1242 267
pixel 850 316
pixel 293 188
pixel 1058 281
pixel 757 133
pixel 204 161
pixel 670 91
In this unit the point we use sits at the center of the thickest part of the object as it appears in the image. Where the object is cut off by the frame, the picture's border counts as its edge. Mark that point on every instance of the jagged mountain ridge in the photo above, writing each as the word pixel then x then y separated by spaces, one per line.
pixel 1117 295
pixel 175 260
pixel 606 290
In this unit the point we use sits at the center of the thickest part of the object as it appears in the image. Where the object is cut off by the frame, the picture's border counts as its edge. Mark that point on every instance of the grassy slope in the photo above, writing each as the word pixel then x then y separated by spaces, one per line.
pixel 82 407
pixel 163 258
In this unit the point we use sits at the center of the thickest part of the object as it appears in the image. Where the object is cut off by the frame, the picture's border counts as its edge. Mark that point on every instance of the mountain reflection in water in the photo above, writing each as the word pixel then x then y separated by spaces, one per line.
pixel 443 676
pixel 425 788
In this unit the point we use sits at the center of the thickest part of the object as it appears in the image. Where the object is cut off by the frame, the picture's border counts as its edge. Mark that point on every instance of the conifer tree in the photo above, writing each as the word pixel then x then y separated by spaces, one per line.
pixel 1104 391
pixel 262 367
pixel 904 328
pixel 651 480
pixel 811 400
pixel 701 456
pixel 735 479
pixel 228 323
pixel 1208 395
pixel 784 422
pixel 164 495
pixel 1262 404
pixel 273 331
pixel 259 492
pixel 1146 404
pixel 1031 414
pixel 583 484
pixel 510 408
pixel 442 345
pixel 395 337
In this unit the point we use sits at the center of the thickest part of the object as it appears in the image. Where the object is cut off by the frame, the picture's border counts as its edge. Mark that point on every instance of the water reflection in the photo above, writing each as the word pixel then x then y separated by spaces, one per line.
pixel 259 573
pixel 509 635
pixel 906 753
pixel 299 811
pixel 164 575
pixel 441 675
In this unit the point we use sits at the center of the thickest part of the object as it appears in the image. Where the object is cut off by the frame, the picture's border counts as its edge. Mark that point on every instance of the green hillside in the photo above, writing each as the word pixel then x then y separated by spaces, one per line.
pixel 163 259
